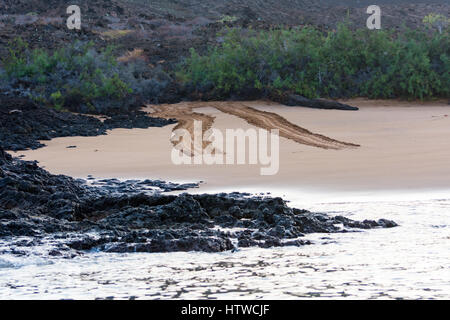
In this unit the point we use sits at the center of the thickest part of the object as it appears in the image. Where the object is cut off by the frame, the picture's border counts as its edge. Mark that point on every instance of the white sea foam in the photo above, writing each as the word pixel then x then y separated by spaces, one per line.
pixel 410 261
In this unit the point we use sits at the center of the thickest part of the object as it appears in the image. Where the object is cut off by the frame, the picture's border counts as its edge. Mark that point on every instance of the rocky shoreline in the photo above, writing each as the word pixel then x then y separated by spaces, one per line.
pixel 75 216
pixel 23 123
pixel 137 216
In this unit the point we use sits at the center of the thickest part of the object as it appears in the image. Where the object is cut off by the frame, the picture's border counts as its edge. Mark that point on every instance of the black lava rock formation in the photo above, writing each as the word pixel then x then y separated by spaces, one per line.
pixel 23 123
pixel 124 217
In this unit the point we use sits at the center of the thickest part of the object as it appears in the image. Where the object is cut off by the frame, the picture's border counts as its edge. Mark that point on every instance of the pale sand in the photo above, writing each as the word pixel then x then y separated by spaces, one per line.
pixel 404 146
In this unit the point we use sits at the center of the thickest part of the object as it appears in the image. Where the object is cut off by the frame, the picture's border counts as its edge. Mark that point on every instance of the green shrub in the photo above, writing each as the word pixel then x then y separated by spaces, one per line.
pixel 437 21
pixel 340 63
pixel 57 99
pixel 78 78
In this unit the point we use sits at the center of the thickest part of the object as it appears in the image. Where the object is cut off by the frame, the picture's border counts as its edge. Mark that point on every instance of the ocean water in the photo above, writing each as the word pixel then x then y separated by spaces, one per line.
pixel 411 261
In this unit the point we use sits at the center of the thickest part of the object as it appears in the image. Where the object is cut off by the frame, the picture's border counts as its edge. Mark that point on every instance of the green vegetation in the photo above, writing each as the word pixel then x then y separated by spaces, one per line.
pixel 227 18
pixel 306 61
pixel 341 63
pixel 78 77
pixel 76 73
pixel 437 21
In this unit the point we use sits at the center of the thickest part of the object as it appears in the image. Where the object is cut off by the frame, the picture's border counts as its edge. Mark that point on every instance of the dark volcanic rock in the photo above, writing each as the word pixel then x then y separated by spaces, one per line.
pixel 37 204
pixel 198 243
pixel 23 123
pixel 115 186
pixel 294 100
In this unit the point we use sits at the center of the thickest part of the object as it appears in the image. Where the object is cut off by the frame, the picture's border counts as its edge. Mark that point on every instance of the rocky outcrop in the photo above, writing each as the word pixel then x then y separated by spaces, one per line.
pixel 105 217
pixel 295 100
pixel 23 123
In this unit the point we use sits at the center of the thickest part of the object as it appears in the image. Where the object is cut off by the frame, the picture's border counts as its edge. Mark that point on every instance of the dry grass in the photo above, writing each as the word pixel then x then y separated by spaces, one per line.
pixel 131 56
pixel 115 34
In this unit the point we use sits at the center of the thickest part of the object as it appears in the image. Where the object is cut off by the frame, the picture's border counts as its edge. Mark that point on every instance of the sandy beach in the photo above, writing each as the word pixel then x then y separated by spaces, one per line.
pixel 403 146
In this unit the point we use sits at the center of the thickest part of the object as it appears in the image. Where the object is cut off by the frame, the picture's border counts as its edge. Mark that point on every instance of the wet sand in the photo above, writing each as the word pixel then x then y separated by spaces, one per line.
pixel 403 146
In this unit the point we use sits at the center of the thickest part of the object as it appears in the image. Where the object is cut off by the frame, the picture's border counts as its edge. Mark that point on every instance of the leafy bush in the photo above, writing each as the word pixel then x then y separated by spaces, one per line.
pixel 78 77
pixel 341 63
pixel 438 21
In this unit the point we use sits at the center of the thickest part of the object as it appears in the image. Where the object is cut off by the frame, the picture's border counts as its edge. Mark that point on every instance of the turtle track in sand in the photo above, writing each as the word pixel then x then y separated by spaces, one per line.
pixel 185 115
